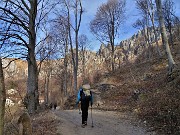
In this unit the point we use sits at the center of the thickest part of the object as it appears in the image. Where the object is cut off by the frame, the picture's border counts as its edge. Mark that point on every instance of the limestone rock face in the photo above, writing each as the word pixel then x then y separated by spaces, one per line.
pixel 15 68
pixel 126 51
pixel 129 49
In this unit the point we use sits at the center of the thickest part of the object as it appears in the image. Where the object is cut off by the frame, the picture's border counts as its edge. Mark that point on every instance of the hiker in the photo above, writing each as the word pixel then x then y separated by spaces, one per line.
pixel 85 96
pixel 55 105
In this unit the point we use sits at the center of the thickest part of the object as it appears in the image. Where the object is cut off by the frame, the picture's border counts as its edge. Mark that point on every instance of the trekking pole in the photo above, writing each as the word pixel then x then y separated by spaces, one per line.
pixel 92 118
pixel 79 108
pixel 79 111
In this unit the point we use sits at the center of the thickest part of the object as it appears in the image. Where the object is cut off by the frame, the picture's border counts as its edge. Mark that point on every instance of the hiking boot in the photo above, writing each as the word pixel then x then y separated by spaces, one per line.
pixel 83 125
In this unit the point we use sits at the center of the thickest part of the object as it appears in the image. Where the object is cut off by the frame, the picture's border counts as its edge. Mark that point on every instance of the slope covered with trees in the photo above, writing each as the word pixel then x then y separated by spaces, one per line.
pixel 45 59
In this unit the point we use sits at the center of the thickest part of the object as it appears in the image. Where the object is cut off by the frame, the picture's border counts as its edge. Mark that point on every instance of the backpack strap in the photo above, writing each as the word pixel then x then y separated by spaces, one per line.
pixel 81 92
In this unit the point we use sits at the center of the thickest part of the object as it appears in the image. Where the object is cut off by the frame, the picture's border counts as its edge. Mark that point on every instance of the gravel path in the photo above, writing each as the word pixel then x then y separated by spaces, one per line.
pixel 104 122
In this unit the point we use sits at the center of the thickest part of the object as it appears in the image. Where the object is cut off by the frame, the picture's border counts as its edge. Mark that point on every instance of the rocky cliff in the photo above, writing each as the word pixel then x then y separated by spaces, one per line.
pixel 127 50
pixel 130 49
pixel 14 68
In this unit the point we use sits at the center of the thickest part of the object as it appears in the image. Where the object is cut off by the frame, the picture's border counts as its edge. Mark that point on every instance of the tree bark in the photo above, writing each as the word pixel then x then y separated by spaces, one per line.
pixel 2 99
pixel 151 14
pixel 171 35
pixel 83 64
pixel 156 39
pixel 32 82
pixel 65 66
pixel 77 27
pixel 164 36
pixel 112 43
pixel 46 90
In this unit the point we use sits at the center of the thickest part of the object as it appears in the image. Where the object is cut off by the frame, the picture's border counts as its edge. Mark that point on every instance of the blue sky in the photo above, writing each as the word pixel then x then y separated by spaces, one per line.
pixel 126 30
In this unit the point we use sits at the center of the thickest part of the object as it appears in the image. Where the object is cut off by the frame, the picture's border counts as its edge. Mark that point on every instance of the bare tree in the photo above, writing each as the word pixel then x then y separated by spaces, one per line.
pixel 76 6
pixel 21 24
pixel 147 9
pixel 105 26
pixel 46 69
pixel 177 29
pixel 171 62
pixel 83 44
pixel 168 12
pixel 142 24
pixel 142 6
pixel 59 33
pixel 2 99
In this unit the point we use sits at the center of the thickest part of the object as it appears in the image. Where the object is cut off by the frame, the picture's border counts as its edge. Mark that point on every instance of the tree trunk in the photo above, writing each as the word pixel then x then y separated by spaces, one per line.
pixel 75 80
pixel 65 77
pixel 65 66
pixel 76 30
pixel 2 99
pixel 164 36
pixel 46 91
pixel 112 59
pixel 171 35
pixel 154 29
pixel 83 63
pixel 77 48
pixel 32 82
pixel 150 48
pixel 156 40
pixel 113 36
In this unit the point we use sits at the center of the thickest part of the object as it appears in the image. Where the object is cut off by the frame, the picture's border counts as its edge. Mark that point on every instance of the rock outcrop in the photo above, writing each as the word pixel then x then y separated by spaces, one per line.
pixel 126 51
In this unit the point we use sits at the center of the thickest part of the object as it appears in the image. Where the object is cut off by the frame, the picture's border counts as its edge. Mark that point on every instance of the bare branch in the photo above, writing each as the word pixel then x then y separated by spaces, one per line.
pixel 21 23
pixel 19 6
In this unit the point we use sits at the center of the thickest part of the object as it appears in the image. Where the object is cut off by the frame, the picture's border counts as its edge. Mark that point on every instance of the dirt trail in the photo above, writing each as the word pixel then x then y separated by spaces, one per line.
pixel 105 123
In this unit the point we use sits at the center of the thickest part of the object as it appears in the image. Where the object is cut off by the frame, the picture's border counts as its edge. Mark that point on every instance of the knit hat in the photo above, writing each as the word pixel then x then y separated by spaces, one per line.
pixel 86 86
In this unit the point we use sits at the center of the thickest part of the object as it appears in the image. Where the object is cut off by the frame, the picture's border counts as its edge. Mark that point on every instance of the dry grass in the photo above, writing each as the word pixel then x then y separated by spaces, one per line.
pixel 43 123
pixel 158 104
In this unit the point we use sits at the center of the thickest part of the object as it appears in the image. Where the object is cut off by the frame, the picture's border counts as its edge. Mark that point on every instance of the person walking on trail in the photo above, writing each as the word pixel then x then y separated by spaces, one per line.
pixel 85 96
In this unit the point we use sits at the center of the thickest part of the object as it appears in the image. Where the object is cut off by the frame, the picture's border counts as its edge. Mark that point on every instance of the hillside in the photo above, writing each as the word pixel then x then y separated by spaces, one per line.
pixel 155 107
pixel 144 90
pixel 157 102
pixel 139 88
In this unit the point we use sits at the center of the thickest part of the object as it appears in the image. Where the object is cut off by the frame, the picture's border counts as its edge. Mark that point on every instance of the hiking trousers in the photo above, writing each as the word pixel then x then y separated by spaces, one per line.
pixel 84 108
